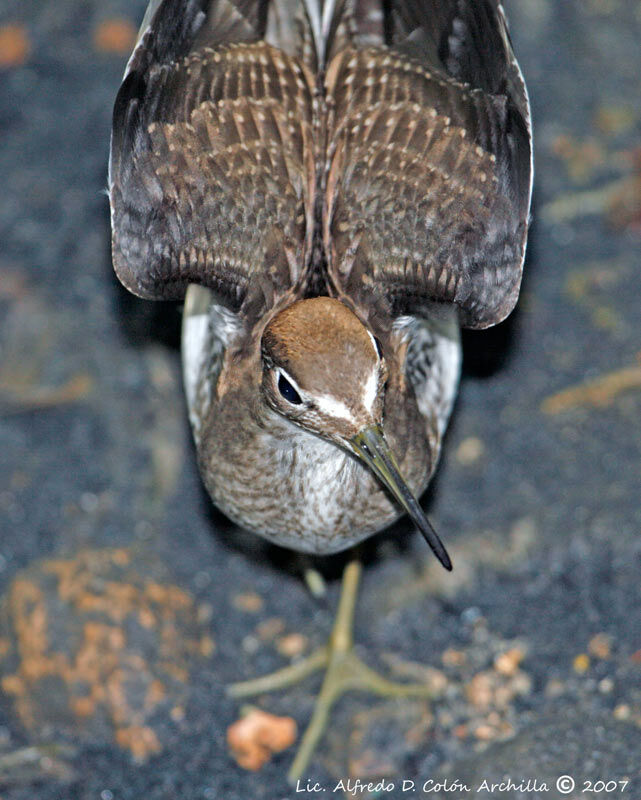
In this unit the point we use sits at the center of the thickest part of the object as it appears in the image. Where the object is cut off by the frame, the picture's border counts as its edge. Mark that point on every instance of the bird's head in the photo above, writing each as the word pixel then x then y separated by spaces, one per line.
pixel 324 370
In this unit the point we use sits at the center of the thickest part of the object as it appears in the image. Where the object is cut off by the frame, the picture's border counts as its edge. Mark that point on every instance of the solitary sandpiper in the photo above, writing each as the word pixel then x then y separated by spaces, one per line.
pixel 334 188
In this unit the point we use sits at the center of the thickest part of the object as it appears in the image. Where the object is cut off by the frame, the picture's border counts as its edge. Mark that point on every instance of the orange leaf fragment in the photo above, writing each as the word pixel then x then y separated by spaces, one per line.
pixel 254 738
pixel 114 36
pixel 14 45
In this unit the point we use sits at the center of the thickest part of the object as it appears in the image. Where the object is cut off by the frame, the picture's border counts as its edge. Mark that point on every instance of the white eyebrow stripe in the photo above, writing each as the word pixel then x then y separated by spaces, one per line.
pixel 333 407
pixel 371 390
pixel 373 340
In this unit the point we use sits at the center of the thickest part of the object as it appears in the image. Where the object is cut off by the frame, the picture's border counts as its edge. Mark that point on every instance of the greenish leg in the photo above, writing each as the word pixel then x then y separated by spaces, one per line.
pixel 344 671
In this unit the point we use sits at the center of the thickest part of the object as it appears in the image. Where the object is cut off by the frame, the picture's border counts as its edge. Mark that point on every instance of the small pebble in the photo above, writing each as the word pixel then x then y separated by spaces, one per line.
pixel 508 663
pixel 255 737
pixel 554 688
pixel 14 45
pixel 453 658
pixel 292 645
pixel 251 602
pixel 480 690
pixel 600 646
pixel 115 36
pixel 494 719
pixel 581 663
pixel 206 646
pixel 612 120
pixel 205 612
pixel 469 451
pixel 250 644
pixel 88 502
pixel 270 628
pixel 485 733
pixel 503 696
pixel 461 731
pixel 521 683
pixel 622 712
pixel 436 680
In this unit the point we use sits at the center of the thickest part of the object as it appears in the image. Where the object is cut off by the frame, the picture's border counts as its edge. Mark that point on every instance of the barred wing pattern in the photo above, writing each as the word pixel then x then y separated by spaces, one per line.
pixel 212 166
pixel 430 178
pixel 399 150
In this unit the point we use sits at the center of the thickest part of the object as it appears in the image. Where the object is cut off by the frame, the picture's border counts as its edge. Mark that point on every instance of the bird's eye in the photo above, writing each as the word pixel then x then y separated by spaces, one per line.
pixel 287 391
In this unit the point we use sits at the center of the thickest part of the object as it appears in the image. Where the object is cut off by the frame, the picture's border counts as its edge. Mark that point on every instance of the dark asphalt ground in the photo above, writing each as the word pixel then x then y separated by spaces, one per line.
pixel 538 501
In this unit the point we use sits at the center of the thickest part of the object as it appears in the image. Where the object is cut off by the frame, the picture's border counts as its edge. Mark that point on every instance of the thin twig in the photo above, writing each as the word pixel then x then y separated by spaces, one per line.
pixel 599 392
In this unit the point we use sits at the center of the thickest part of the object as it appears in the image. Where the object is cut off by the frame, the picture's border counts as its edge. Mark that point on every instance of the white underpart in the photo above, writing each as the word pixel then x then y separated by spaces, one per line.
pixel 194 352
pixel 208 330
pixel 446 377
pixel 320 25
pixel 328 14
pixel 314 15
pixel 328 470
pixel 435 393
pixel 325 467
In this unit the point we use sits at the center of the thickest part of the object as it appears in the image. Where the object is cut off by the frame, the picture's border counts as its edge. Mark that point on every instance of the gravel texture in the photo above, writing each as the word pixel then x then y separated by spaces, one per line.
pixel 533 642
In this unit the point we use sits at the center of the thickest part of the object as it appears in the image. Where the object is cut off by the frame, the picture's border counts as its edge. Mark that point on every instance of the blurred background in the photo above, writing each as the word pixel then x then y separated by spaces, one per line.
pixel 128 602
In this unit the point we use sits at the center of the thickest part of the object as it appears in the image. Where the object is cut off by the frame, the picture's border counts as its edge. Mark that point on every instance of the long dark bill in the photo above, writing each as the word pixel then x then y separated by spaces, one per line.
pixel 371 447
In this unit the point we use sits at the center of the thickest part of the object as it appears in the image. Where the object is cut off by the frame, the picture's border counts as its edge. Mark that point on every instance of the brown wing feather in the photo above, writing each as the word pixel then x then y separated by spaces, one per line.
pixel 429 181
pixel 220 131
pixel 212 165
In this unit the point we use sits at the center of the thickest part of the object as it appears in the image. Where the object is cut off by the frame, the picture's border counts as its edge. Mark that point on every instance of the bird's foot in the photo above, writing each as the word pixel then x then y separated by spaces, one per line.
pixel 344 671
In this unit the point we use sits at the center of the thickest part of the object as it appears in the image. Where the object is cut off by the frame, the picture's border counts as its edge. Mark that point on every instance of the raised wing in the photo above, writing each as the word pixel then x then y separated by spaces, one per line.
pixel 212 174
pixel 428 191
